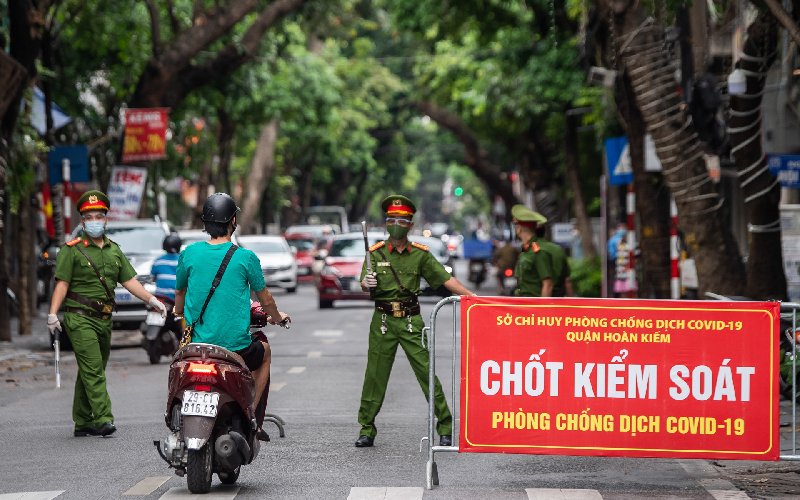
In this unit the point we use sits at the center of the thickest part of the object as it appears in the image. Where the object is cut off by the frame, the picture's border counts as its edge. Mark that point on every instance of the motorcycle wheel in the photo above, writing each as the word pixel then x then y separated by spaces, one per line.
pixel 154 352
pixel 198 470
pixel 229 477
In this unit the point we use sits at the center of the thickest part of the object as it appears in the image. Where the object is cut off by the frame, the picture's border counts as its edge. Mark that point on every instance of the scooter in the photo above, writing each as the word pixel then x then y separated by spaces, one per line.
pixel 509 282
pixel 161 335
pixel 211 412
pixel 477 271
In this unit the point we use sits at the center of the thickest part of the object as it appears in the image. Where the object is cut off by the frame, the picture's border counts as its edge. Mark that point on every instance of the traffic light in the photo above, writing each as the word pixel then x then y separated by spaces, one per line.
pixel 458 191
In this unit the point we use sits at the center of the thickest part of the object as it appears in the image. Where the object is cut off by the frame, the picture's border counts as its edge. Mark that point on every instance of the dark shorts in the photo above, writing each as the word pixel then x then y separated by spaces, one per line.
pixel 253 355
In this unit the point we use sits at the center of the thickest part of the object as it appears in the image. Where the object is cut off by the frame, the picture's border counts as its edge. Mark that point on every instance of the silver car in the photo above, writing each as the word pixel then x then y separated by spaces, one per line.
pixel 189 236
pixel 277 260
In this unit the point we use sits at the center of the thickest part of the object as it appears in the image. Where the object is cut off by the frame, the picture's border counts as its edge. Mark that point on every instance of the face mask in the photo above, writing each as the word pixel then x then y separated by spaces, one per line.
pixel 95 228
pixel 397 232
pixel 622 232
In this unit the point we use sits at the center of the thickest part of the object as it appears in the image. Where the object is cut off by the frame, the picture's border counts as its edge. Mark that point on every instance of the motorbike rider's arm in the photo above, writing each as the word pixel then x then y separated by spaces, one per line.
pixel 180 300
pixel 568 287
pixel 270 308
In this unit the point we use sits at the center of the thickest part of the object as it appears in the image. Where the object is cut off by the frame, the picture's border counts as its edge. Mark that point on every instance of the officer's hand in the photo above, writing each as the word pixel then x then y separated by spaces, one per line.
pixel 370 280
pixel 53 324
pixel 158 306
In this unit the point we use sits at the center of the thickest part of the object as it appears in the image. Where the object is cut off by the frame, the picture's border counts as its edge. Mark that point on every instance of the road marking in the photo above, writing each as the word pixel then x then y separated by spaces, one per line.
pixel 329 341
pixel 708 477
pixel 562 494
pixel 728 494
pixel 147 485
pixel 385 494
pixel 350 325
pixel 296 369
pixel 31 495
pixel 315 354
pixel 277 386
pixel 328 333
pixel 218 492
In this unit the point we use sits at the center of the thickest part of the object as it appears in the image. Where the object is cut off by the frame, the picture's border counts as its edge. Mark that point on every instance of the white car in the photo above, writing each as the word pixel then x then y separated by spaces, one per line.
pixel 189 236
pixel 141 241
pixel 277 260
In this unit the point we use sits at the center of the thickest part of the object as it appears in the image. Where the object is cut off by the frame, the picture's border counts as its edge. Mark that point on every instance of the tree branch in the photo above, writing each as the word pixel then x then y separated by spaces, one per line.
pixel 785 19
pixel 155 27
pixel 173 19
pixel 67 20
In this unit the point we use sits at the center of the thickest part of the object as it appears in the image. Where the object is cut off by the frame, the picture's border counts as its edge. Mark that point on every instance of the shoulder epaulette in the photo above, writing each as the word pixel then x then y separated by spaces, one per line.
pixel 73 242
pixel 376 246
pixel 535 247
pixel 420 245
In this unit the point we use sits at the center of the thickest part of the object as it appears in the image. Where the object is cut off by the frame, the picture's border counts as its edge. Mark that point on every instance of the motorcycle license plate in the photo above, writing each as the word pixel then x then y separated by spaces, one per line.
pixel 200 403
pixel 510 282
pixel 154 318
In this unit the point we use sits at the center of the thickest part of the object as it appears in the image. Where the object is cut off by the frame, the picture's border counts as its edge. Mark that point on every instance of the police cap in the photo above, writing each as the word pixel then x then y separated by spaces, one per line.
pixel 398 205
pixel 93 200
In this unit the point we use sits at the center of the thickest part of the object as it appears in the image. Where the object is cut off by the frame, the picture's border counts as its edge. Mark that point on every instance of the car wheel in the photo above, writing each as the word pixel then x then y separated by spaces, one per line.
pixel 325 304
pixel 292 289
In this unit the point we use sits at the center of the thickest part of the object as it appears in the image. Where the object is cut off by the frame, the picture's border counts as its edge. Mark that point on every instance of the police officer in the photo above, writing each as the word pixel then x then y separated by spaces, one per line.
pixel 397 267
pixel 88 269
pixel 534 270
pixel 562 284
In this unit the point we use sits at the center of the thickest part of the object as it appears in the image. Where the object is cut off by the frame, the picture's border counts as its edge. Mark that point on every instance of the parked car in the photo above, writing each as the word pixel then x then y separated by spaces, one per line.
pixel 189 236
pixel 277 260
pixel 439 251
pixel 339 278
pixel 140 241
pixel 305 250
pixel 320 230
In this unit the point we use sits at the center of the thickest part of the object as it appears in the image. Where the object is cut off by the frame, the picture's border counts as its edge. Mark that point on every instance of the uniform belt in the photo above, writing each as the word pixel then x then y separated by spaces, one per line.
pixel 84 312
pixel 399 309
pixel 94 304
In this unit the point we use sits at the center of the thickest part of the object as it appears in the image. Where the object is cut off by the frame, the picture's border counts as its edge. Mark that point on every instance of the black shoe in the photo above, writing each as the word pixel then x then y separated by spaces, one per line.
pixel 87 431
pixel 262 435
pixel 446 440
pixel 364 442
pixel 107 429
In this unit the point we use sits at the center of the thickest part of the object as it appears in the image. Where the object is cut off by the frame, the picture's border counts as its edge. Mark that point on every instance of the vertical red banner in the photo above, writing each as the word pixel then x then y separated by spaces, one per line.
pixel 145 132
pixel 617 377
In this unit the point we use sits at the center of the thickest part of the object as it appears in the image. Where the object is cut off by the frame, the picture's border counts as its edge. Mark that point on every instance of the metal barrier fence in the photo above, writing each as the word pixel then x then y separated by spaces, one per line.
pixel 788 310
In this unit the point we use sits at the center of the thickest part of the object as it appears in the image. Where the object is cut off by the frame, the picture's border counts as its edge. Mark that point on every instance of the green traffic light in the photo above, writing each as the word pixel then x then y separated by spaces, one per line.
pixel 459 191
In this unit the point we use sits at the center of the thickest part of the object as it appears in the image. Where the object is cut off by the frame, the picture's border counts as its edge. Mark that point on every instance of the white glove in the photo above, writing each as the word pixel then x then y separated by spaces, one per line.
pixel 53 324
pixel 370 280
pixel 158 306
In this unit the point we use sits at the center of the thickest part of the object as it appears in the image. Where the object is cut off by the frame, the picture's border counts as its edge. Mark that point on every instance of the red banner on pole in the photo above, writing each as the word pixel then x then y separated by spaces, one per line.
pixel 145 131
pixel 616 377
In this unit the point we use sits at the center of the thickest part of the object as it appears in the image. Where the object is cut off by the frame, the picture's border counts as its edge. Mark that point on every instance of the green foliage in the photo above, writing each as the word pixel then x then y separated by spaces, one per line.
pixel 26 149
pixel 587 277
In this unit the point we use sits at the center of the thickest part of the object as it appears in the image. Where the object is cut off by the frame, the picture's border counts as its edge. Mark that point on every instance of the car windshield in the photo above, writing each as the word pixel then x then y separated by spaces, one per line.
pixel 350 247
pixel 138 240
pixel 301 245
pixel 264 246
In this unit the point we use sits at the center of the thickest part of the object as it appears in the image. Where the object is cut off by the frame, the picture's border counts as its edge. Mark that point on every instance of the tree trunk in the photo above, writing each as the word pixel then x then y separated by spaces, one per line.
pixel 652 206
pixel 578 203
pixel 203 181
pixel 761 191
pixel 639 47
pixel 22 248
pixel 260 173
pixel 226 128
pixel 474 156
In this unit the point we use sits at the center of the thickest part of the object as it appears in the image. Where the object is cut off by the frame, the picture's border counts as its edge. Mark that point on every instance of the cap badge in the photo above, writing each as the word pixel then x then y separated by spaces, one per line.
pixel 92 199
pixel 397 203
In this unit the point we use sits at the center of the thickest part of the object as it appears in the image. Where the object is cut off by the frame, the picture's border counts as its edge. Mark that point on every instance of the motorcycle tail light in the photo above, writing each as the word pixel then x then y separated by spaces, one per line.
pixel 202 369
pixel 509 272
pixel 202 388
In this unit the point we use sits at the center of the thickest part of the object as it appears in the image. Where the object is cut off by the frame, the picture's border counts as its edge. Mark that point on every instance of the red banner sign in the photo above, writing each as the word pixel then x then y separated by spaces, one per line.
pixel 145 130
pixel 616 377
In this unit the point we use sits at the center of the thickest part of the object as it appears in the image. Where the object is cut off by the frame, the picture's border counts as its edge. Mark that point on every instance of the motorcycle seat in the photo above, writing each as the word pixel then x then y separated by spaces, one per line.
pixel 208 351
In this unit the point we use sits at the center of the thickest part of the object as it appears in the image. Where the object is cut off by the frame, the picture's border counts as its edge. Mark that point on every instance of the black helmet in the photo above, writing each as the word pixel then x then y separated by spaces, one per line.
pixel 219 207
pixel 172 243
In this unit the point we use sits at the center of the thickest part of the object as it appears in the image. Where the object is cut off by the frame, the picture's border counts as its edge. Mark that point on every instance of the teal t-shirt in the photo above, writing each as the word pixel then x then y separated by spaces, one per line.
pixel 226 322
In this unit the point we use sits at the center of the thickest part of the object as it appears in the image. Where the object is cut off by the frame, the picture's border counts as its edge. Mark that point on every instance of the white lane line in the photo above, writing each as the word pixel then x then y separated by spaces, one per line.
pixel 218 492
pixel 31 495
pixel 329 341
pixel 147 485
pixel 410 493
pixel 728 494
pixel 276 386
pixel 328 333
pixel 296 369
pixel 314 354
pixel 562 494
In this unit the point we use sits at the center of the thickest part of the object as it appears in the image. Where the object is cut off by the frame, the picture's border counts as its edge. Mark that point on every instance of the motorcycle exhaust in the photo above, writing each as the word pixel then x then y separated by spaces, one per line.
pixel 232 450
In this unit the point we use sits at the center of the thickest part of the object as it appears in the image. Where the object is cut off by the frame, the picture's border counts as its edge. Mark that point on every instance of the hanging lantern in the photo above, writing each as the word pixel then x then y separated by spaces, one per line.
pixel 737 82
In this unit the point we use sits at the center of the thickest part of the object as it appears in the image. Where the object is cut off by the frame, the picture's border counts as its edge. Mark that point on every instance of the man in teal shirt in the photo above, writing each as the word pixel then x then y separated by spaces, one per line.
pixel 226 321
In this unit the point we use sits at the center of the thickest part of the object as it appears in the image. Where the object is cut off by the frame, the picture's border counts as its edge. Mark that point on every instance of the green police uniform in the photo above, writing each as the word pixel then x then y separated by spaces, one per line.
pixel 397 320
pixel 558 257
pixel 90 333
pixel 533 265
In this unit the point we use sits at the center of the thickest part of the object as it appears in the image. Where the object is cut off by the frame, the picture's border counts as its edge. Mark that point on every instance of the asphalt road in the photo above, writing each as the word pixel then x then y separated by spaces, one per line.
pixel 317 372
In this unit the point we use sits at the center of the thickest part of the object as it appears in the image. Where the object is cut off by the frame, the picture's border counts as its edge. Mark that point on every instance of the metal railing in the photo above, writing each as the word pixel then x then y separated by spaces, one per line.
pixel 790 309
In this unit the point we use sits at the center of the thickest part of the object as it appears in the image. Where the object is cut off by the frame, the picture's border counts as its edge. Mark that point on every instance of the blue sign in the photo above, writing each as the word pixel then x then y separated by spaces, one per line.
pixel 78 157
pixel 787 168
pixel 618 159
